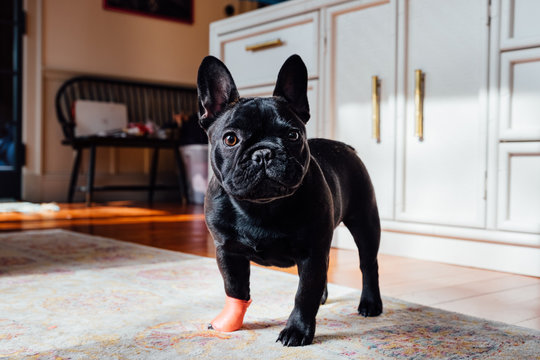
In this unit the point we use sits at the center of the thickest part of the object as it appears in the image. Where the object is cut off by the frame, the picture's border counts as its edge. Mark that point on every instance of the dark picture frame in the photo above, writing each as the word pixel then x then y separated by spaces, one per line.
pixel 174 10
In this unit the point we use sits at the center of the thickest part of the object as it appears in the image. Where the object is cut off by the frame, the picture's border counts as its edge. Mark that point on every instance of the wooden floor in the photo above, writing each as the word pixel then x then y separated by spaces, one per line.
pixel 492 295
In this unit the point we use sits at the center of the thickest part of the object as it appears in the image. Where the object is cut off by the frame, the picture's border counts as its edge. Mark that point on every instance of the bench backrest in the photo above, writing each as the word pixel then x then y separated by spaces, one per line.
pixel 143 100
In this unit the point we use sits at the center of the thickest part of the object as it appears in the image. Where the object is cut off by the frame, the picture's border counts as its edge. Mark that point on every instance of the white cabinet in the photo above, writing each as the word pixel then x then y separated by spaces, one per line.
pixel 518 196
pixel 353 61
pixel 441 174
pixel 467 190
pixel 519 187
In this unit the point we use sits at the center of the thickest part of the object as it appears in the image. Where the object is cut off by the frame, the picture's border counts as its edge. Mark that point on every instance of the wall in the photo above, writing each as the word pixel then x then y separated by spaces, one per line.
pixel 82 36
pixel 67 38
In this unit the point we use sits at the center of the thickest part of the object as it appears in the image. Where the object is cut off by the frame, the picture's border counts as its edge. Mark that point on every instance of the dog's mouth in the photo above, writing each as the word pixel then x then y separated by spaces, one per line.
pixel 264 190
pixel 263 186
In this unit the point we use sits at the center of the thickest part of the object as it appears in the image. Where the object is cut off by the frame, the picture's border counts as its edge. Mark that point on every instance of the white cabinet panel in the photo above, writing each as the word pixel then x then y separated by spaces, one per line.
pixel 253 67
pixel 519 187
pixel 362 43
pixel 313 126
pixel 520 25
pixel 441 178
pixel 520 95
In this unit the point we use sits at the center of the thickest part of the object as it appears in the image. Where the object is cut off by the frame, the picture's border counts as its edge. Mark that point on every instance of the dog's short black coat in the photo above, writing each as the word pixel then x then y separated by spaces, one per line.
pixel 276 198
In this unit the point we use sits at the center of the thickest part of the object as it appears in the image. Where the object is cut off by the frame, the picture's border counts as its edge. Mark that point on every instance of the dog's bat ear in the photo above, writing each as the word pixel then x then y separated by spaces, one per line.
pixel 292 85
pixel 216 90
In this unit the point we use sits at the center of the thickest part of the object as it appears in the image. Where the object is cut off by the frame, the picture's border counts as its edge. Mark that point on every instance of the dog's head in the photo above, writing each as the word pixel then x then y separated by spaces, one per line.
pixel 259 150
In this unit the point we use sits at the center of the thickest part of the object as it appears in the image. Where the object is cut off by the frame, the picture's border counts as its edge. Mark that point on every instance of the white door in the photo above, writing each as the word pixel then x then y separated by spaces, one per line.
pixel 441 177
pixel 361 39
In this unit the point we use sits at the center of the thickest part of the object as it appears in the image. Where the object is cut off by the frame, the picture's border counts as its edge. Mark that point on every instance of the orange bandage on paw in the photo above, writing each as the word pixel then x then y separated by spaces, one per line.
pixel 232 316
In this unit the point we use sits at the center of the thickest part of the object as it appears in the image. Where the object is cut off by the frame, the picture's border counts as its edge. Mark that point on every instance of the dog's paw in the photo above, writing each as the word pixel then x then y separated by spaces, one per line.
pixel 293 336
pixel 370 306
pixel 324 295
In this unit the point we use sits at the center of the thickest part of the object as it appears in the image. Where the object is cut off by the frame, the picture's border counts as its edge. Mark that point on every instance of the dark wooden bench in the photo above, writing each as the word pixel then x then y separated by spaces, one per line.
pixel 143 101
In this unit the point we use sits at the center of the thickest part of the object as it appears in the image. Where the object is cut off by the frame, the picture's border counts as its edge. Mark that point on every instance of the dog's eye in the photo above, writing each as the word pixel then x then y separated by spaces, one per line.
pixel 293 135
pixel 230 139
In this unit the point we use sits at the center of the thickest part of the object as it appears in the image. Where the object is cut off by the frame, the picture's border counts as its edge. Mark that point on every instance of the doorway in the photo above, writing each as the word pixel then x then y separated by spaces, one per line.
pixel 11 155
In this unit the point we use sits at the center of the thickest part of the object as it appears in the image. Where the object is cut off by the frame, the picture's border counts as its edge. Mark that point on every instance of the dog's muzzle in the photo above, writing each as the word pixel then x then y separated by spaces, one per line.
pixel 265 174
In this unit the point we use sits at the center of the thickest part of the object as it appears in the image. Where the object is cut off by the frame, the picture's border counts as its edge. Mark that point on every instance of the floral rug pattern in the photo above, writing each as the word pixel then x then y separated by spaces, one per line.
pixel 65 295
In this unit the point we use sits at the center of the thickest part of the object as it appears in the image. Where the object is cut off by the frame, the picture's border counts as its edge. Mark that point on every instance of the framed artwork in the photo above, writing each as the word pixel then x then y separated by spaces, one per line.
pixel 175 10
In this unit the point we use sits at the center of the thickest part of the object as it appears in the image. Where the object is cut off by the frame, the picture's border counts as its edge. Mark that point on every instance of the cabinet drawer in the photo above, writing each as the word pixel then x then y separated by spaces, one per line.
pixel 255 55
pixel 313 127
pixel 519 187
pixel 519 23
pixel 520 86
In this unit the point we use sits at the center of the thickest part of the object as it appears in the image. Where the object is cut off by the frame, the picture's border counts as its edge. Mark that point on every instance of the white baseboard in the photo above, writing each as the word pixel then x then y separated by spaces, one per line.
pixel 511 258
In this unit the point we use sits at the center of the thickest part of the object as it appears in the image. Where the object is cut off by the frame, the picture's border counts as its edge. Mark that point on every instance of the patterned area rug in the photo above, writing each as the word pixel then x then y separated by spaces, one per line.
pixel 65 295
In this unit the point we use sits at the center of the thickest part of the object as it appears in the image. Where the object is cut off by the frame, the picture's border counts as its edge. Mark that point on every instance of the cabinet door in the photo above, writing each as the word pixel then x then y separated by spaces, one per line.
pixel 519 187
pixel 361 39
pixel 519 23
pixel 519 94
pixel 441 176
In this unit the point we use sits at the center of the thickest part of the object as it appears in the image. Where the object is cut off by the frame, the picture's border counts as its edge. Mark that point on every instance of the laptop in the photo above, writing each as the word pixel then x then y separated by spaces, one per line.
pixel 99 118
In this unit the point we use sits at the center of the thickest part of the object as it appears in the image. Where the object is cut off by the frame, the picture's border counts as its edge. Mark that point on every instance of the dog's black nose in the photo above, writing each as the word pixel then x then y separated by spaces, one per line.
pixel 262 156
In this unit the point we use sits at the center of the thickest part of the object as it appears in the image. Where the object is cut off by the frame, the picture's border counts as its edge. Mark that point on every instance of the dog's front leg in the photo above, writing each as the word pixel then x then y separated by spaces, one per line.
pixel 235 272
pixel 300 327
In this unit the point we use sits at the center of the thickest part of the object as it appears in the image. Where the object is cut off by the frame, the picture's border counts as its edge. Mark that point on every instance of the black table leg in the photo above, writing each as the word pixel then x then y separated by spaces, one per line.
pixel 181 175
pixel 74 175
pixel 91 172
pixel 153 172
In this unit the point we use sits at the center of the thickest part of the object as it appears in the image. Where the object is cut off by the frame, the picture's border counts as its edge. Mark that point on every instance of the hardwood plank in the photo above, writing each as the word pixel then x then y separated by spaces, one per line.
pixel 531 323
pixel 459 290
pixel 511 306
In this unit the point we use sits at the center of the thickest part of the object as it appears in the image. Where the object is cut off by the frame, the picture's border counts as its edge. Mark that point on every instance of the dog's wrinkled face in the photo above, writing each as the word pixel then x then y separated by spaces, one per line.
pixel 259 146
pixel 259 149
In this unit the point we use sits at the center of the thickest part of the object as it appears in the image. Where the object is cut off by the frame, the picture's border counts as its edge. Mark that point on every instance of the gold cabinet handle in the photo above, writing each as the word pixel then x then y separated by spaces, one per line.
pixel 419 104
pixel 264 45
pixel 376 109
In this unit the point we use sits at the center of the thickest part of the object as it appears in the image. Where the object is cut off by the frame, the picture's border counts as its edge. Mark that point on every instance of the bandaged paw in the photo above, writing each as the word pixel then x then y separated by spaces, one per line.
pixel 232 316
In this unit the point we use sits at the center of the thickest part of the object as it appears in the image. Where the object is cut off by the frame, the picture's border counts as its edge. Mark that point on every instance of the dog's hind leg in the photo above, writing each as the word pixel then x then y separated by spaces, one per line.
pixel 366 230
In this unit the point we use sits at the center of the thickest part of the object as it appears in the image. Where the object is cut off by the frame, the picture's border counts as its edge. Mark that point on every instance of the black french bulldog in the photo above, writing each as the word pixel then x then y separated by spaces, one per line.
pixel 276 198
